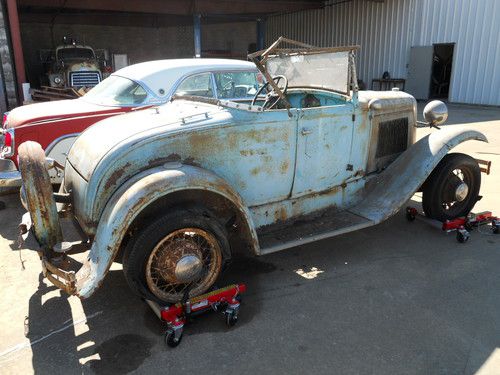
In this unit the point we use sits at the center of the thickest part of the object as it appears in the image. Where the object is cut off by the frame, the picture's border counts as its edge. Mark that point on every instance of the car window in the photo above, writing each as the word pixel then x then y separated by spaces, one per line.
pixel 197 85
pixel 116 90
pixel 237 85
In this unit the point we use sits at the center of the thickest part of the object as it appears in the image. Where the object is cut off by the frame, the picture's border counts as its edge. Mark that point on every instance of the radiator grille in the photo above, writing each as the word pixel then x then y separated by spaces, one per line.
pixel 87 79
pixel 392 137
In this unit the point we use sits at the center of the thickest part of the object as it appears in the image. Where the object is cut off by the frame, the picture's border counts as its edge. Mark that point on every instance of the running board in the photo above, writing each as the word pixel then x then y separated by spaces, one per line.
pixel 299 232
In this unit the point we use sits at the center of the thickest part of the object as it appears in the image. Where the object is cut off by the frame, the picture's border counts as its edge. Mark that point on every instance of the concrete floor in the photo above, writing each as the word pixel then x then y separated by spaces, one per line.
pixel 398 298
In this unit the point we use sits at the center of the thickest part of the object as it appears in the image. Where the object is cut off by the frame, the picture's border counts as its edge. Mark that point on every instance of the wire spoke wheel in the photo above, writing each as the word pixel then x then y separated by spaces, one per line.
pixel 181 250
pixel 188 251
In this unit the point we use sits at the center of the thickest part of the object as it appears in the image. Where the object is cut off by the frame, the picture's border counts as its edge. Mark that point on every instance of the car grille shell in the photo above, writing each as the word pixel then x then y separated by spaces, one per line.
pixel 85 79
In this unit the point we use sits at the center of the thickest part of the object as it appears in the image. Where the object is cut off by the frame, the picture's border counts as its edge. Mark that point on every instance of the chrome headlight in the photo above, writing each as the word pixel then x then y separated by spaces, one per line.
pixel 435 112
pixel 56 79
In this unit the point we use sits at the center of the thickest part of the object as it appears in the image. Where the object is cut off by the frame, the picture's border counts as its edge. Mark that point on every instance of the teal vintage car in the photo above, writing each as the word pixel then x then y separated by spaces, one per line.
pixel 174 191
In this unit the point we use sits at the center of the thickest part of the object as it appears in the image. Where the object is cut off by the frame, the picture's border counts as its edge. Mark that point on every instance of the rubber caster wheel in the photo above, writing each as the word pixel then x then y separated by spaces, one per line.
pixel 495 227
pixel 410 214
pixel 171 340
pixel 231 319
pixel 463 236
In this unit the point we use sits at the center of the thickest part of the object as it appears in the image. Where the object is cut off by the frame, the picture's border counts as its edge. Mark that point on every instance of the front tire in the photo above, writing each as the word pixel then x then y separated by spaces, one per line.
pixel 183 249
pixel 452 189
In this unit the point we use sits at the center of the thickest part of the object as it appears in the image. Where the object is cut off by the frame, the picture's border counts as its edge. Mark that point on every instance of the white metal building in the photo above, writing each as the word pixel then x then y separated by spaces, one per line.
pixel 388 29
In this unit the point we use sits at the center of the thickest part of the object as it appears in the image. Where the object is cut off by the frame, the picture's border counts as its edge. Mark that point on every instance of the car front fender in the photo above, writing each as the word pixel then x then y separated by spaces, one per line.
pixel 385 193
pixel 132 198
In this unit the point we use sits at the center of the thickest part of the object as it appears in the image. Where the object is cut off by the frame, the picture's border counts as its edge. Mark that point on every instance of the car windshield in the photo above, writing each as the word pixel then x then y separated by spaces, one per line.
pixel 75 53
pixel 116 90
pixel 325 70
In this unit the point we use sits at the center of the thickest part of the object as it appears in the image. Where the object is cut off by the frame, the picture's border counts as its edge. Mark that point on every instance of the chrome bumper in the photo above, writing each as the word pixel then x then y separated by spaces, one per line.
pixel 9 175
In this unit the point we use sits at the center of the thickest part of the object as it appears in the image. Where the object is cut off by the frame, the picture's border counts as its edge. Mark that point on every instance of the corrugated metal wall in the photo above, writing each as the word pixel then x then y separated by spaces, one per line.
pixel 474 25
pixel 387 30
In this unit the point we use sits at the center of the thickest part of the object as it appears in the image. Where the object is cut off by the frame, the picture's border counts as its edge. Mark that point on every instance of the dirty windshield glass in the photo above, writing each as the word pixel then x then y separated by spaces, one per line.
pixel 116 90
pixel 326 70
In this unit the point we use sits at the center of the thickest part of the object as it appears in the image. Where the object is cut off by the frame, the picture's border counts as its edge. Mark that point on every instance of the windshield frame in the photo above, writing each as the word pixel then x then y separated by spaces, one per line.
pixel 259 58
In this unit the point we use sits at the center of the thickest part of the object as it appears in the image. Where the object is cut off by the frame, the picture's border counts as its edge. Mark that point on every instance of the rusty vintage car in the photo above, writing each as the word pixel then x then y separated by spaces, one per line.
pixel 175 190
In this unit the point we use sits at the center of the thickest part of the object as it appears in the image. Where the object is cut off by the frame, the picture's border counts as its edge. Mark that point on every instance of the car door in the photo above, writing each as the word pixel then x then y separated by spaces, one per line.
pixel 323 148
pixel 256 155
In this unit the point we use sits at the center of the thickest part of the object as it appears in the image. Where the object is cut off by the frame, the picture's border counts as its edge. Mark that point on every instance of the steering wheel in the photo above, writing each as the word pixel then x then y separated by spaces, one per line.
pixel 272 98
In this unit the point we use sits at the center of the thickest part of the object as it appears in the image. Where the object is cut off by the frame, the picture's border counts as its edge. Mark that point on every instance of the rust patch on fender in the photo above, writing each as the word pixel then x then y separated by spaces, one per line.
pixel 115 176
pixel 284 166
pixel 359 172
pixel 168 159
pixel 255 171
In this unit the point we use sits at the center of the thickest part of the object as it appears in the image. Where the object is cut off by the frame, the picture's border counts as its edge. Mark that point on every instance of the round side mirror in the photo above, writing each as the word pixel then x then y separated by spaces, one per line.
pixel 435 113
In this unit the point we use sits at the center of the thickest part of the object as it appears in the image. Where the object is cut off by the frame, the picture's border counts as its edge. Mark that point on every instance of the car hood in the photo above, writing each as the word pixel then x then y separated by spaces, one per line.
pixel 116 135
pixel 59 109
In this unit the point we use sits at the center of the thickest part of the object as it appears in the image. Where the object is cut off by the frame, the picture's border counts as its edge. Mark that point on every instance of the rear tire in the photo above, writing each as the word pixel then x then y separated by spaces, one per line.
pixel 441 189
pixel 153 256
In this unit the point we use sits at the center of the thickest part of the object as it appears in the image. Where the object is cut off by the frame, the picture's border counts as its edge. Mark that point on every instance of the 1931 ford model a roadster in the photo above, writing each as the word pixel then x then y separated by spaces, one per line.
pixel 173 191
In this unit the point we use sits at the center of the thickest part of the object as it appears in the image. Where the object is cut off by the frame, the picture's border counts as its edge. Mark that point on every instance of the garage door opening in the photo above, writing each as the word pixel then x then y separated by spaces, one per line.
pixel 442 61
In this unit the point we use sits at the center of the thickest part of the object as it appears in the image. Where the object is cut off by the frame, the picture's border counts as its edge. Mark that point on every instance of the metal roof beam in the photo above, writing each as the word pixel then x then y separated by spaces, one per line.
pixel 180 7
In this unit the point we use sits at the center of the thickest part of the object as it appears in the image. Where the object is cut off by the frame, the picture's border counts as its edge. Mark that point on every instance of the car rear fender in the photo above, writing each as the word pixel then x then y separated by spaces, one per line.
pixel 388 191
pixel 136 195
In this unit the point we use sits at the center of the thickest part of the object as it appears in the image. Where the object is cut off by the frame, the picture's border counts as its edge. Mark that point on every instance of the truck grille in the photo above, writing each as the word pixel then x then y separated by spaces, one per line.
pixel 87 79
pixel 392 137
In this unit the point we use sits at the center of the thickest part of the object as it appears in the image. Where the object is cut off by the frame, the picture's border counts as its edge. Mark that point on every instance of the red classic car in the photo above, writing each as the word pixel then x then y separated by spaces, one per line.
pixel 56 125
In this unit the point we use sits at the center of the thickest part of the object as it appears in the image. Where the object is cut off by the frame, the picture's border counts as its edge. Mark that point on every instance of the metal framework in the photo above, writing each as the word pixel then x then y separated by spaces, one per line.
pixel 259 58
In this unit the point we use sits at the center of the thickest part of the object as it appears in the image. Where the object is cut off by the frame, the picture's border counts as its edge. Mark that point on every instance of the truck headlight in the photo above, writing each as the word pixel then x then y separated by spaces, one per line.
pixel 57 80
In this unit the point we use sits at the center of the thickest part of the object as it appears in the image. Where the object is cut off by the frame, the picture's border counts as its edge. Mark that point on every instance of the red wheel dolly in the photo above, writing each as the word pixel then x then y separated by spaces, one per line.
pixel 225 300
pixel 462 225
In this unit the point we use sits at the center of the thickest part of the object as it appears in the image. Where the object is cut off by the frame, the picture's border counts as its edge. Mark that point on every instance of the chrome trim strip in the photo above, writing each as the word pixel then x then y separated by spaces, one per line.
pixel 57 140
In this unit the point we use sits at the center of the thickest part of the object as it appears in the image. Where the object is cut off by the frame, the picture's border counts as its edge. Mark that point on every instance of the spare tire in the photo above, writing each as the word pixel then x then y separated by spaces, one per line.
pixel 39 195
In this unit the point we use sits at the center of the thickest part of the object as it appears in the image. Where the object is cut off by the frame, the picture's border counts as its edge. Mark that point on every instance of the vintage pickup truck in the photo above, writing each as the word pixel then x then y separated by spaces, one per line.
pixel 75 66
pixel 175 190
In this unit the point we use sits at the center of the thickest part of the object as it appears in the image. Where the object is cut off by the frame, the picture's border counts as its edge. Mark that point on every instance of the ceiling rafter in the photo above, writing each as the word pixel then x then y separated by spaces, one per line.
pixel 175 7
